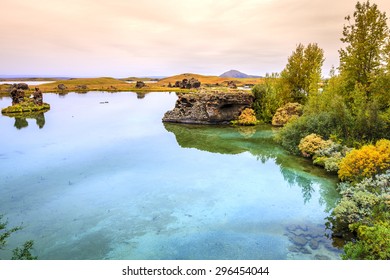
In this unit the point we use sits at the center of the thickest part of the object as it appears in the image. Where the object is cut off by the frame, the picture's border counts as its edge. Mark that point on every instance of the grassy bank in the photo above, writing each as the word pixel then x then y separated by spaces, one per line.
pixel 112 84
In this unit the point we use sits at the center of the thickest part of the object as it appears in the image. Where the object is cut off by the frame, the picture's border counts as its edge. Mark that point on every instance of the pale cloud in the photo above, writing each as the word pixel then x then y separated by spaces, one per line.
pixel 135 38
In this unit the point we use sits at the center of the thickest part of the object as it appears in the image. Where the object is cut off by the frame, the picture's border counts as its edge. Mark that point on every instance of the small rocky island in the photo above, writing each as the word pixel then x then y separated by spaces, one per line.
pixel 25 101
pixel 209 107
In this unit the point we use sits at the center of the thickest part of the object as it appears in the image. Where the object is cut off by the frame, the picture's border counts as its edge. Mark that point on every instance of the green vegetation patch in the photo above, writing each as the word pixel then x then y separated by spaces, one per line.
pixel 24 108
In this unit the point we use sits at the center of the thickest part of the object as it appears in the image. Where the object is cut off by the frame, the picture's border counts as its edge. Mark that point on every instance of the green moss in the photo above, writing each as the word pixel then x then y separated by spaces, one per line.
pixel 25 108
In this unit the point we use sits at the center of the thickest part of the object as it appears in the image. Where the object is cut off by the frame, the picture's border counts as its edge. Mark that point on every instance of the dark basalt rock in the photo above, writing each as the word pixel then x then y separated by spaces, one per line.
pixel 17 95
pixel 17 92
pixel 62 87
pixel 231 84
pixel 139 84
pixel 81 87
pixel 186 84
pixel 22 86
pixel 37 97
pixel 209 108
pixel 194 83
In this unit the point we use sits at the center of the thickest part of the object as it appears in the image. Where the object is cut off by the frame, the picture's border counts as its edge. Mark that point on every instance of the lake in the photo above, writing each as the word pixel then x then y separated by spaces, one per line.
pixel 100 176
pixel 30 83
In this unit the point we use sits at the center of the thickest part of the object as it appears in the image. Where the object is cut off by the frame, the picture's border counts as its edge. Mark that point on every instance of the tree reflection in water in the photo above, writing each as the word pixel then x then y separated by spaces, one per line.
pixel 257 140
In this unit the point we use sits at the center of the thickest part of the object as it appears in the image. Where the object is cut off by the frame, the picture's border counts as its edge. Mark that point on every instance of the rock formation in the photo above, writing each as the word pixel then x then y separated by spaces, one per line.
pixel 17 95
pixel 22 86
pixel 139 84
pixel 209 108
pixel 231 84
pixel 81 87
pixel 187 84
pixel 22 106
pixel 62 87
pixel 17 92
pixel 37 97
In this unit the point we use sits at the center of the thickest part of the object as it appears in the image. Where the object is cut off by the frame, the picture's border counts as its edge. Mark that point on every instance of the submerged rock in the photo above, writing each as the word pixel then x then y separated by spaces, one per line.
pixel 321 257
pixel 313 244
pixel 294 249
pixel 305 251
pixel 298 240
pixel 209 108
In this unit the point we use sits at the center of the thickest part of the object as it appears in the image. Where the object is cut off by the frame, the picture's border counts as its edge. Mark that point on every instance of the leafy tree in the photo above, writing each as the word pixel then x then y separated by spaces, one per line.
pixel 23 253
pixel 302 73
pixel 365 35
pixel 269 96
pixel 324 114
pixel 5 233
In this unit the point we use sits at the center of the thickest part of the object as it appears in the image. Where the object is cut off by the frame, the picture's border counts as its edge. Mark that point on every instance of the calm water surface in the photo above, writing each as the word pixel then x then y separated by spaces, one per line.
pixel 100 176
pixel 30 83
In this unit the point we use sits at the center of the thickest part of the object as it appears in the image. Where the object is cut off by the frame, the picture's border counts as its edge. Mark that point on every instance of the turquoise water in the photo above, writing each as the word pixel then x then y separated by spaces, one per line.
pixel 100 176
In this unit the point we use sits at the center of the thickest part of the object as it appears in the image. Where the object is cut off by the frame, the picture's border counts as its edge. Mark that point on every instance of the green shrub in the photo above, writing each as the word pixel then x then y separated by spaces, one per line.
pixel 310 144
pixel 373 243
pixel 286 113
pixel 292 133
pixel 247 117
pixel 365 201
pixel 330 156
pixel 357 208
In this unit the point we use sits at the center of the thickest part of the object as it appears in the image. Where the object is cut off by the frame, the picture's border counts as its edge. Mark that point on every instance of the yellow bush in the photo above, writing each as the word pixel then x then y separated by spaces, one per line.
pixel 365 162
pixel 247 117
pixel 311 144
pixel 287 113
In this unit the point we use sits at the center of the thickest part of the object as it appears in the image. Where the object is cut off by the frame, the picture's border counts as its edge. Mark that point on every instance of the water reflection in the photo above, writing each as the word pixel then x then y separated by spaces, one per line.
pixel 125 189
pixel 21 119
pixel 258 141
pixel 141 95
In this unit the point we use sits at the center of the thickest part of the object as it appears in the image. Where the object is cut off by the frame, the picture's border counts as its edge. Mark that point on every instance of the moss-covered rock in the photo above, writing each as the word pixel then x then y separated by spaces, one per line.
pixel 209 107
pixel 25 107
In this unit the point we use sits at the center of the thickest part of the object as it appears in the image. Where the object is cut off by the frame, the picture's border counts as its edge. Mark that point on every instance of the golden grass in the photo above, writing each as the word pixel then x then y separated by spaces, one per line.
pixel 93 84
pixel 211 80
pixel 112 84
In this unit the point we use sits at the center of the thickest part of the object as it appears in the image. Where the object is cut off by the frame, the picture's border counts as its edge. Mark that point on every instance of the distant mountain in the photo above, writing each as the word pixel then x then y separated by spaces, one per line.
pixel 33 77
pixel 237 74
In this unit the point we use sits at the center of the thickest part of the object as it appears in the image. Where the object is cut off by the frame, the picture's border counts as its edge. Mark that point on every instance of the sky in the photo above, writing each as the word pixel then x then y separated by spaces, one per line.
pixel 124 38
